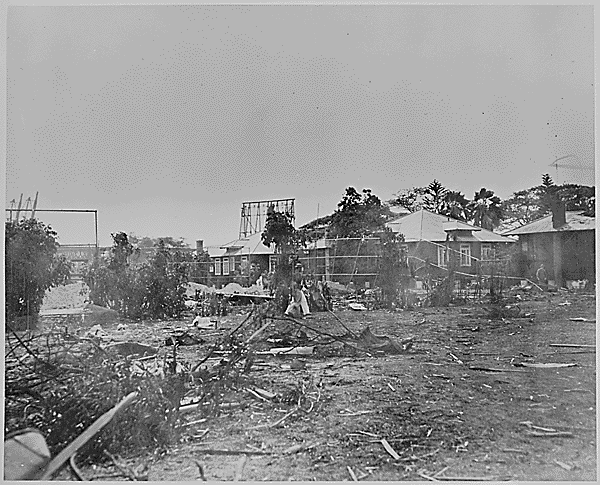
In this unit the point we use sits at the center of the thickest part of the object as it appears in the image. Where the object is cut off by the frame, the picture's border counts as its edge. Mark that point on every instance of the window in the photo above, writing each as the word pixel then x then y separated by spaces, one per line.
pixel 487 252
pixel 272 263
pixel 465 255
pixel 217 266
pixel 524 246
pixel 442 256
pixel 225 266
pixel 244 265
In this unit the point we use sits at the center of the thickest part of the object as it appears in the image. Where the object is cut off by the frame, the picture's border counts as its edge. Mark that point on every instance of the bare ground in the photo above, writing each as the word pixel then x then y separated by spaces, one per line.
pixel 437 406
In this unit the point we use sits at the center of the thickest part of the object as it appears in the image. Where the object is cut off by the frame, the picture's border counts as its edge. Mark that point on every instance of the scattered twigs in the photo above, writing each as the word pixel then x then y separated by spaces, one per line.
pixel 127 471
pixel 278 422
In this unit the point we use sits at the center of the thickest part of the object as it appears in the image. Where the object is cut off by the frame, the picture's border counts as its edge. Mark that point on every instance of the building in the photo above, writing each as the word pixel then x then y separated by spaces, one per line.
pixel 240 261
pixel 564 241
pixel 436 239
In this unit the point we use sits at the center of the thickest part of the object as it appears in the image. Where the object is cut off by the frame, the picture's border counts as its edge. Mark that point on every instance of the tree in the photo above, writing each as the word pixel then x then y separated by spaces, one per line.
pixel 148 242
pixel 358 215
pixel 410 199
pixel 486 211
pixel 32 266
pixel 522 208
pixel 456 205
pixel 434 197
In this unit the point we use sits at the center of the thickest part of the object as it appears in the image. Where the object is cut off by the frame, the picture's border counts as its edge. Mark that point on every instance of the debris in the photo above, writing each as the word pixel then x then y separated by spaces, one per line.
pixel 492 369
pixel 84 437
pixel 563 465
pixel 557 434
pixel 200 470
pixel 97 331
pixel 530 425
pixel 121 327
pixel 426 477
pixel 389 449
pixel 288 351
pixel 358 413
pixel 297 448
pixel 549 365
pixel 515 450
pixel 466 479
pixel 382 343
pixel 127 349
pixel 581 319
pixel 576 346
pixel 352 474
pixel 210 451
pixel 391 387
pixel 208 323
pixel 455 358
pixel 183 339
pixel 358 307
pixel 564 303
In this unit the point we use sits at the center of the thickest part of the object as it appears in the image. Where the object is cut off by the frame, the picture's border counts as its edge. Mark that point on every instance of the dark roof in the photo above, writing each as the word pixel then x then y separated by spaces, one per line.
pixel 575 221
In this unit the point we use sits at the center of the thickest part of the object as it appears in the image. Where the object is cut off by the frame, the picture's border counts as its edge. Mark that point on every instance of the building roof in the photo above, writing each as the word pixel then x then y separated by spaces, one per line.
pixel 423 225
pixel 246 246
pixel 575 221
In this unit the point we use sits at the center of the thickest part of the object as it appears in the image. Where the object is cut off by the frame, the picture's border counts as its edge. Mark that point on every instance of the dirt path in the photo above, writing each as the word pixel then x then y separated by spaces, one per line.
pixel 459 402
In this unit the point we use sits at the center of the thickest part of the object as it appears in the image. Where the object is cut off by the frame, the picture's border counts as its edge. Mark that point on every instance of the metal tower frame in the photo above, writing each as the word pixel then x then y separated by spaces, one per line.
pixel 254 214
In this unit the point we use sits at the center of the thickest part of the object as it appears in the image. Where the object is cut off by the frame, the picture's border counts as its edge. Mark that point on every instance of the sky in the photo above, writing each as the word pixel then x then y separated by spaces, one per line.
pixel 165 119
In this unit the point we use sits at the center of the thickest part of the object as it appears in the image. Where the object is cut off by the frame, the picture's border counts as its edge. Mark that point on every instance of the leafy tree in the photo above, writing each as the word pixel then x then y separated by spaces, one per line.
pixel 456 205
pixel 486 209
pixel 434 197
pixel 410 199
pixel 358 215
pixel 153 289
pixel 390 266
pixel 148 242
pixel 31 266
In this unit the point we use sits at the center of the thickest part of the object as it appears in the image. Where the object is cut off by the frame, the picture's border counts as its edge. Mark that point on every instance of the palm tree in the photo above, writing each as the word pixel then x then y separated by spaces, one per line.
pixel 486 211
pixel 456 205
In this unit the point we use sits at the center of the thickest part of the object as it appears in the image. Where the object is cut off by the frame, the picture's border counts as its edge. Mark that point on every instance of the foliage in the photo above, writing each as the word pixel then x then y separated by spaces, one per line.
pixel 148 242
pixel 154 289
pixel 358 215
pixel 280 232
pixel 434 197
pixel 486 209
pixel 409 199
pixel 31 266
pixel 456 205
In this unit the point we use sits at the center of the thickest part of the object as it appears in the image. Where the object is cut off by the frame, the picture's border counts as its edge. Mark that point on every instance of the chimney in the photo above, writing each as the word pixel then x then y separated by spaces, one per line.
pixel 199 246
pixel 559 217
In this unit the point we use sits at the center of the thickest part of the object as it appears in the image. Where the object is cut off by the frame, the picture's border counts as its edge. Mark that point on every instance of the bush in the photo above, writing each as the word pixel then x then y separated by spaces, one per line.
pixel 154 289
pixel 32 266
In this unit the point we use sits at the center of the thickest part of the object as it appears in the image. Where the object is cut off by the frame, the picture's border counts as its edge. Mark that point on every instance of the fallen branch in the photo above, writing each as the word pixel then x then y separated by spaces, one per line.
pixel 278 422
pixel 84 437
pixel 352 475
pixel 576 346
pixel 123 468
pixel 210 451
pixel 491 369
pixel 389 449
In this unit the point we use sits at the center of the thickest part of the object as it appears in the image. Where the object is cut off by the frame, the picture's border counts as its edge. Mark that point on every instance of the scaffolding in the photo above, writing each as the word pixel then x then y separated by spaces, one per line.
pixel 254 214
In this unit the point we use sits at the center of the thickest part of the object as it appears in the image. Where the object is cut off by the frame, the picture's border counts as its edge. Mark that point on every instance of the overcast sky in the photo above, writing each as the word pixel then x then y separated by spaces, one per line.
pixel 166 118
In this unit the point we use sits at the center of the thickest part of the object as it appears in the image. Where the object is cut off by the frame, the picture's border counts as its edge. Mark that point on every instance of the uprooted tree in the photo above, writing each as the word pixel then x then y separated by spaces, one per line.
pixel 32 267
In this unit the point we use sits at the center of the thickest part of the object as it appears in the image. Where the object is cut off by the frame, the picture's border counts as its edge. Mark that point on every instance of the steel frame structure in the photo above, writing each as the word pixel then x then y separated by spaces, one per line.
pixel 254 214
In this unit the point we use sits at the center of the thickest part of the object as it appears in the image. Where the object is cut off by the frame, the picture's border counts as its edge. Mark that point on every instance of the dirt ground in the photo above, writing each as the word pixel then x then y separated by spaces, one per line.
pixel 460 403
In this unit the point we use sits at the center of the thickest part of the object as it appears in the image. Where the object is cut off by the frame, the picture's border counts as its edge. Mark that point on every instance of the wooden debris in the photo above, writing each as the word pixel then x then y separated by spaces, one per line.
pixel 57 463
pixel 530 425
pixel 581 319
pixel 211 451
pixel 563 465
pixel 515 450
pixel 576 346
pixel 426 477
pixel 389 449
pixel 492 369
pixel 549 365
pixel 466 479
pixel 557 434
pixel 352 474
pixel 357 413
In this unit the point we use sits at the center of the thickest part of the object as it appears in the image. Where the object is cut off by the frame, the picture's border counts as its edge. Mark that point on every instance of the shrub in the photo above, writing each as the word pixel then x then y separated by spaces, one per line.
pixel 32 266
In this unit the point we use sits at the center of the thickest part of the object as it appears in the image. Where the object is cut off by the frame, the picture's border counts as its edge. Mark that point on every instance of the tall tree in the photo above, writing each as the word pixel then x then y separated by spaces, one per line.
pixel 456 205
pixel 358 215
pixel 434 197
pixel 486 209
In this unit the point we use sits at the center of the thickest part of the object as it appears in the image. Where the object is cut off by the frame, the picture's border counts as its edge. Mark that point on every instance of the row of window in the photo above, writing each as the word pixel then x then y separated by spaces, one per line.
pixel 487 253
pixel 226 266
